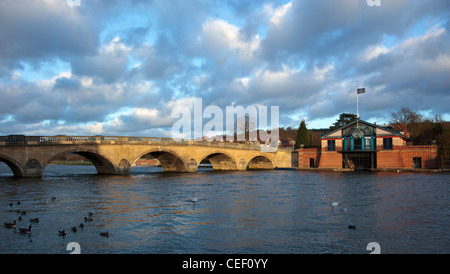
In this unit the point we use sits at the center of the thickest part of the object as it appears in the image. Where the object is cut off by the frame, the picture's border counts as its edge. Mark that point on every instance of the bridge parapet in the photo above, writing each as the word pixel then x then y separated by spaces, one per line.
pixel 20 140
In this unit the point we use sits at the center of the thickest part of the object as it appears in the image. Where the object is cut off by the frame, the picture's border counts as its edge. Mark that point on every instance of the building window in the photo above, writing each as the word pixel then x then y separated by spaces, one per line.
pixel 368 143
pixel 357 143
pixel 331 145
pixel 387 143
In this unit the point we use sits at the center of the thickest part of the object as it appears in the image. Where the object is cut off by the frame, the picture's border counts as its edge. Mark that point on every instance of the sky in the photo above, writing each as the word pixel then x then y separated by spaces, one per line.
pixel 119 68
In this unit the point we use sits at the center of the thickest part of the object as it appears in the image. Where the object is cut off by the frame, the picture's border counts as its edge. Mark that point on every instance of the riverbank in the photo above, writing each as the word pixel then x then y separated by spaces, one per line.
pixel 416 170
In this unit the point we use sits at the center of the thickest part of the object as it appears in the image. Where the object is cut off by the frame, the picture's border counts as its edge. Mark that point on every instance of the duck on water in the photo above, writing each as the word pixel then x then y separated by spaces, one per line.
pixel 10 225
pixel 25 230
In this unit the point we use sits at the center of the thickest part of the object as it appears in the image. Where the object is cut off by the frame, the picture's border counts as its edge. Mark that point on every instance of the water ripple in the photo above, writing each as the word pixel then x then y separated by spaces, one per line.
pixel 238 212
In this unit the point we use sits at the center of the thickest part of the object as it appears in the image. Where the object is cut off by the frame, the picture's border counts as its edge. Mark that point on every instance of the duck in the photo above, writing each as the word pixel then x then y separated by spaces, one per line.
pixel 35 220
pixel 62 232
pixel 351 227
pixel 25 230
pixel 86 219
pixel 195 199
pixel 335 203
pixel 11 225
pixel 90 214
pixel 74 229
pixel 81 225
pixel 20 218
pixel 104 234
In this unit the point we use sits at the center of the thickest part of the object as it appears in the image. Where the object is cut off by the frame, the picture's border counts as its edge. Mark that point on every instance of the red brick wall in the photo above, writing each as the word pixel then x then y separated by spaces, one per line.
pixel 389 159
pixel 322 158
pixel 402 157
pixel 305 154
pixel 330 159
pixel 399 157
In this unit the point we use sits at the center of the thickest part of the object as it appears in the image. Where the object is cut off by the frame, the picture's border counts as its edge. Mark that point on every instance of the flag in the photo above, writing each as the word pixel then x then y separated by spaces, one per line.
pixel 361 90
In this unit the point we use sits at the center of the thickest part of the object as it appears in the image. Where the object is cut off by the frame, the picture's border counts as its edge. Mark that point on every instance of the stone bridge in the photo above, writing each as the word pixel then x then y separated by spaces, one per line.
pixel 28 156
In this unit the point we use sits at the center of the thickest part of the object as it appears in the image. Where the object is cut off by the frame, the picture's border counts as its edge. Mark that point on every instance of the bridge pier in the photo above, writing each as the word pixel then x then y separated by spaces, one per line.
pixel 123 168
pixel 191 166
pixel 33 169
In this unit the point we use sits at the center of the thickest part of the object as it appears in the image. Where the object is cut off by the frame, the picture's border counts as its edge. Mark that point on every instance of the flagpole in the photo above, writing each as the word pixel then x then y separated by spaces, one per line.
pixel 357 110
pixel 358 91
pixel 357 105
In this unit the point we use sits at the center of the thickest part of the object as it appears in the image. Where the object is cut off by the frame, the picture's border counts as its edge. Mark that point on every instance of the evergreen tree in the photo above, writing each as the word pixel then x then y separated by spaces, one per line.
pixel 302 136
pixel 344 119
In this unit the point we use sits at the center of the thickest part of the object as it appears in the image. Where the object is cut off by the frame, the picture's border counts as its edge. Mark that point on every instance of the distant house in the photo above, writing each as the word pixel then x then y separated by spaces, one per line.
pixel 287 143
pixel 362 145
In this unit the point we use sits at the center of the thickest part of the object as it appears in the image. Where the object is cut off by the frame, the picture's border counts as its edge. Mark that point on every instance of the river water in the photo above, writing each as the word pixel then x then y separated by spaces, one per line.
pixel 259 212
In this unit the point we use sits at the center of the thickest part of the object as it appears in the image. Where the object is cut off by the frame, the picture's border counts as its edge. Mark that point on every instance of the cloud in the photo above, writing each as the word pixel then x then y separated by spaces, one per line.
pixel 417 69
pixel 222 39
pixel 109 65
pixel 156 64
pixel 38 31
pixel 119 67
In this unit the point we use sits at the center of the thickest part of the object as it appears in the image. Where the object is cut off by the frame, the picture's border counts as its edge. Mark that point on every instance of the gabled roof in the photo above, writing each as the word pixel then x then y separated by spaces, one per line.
pixel 385 128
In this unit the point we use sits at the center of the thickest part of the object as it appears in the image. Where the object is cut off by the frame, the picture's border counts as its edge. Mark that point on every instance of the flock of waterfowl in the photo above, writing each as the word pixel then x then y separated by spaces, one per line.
pixel 62 233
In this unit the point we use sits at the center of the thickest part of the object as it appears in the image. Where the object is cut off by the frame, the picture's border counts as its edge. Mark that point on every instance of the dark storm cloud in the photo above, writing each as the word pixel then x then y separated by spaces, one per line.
pixel 315 30
pixel 159 63
pixel 67 84
pixel 109 64
pixel 38 31
pixel 30 103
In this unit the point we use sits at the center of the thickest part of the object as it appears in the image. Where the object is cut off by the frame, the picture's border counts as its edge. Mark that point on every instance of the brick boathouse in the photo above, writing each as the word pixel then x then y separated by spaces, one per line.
pixel 362 145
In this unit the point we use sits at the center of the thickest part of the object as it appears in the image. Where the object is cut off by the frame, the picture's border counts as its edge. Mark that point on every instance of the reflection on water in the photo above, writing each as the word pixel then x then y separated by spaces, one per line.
pixel 280 211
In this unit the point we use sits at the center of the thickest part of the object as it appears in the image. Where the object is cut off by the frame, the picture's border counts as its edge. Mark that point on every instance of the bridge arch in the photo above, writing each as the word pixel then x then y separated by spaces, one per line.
pixel 260 162
pixel 101 163
pixel 169 160
pixel 15 167
pixel 220 161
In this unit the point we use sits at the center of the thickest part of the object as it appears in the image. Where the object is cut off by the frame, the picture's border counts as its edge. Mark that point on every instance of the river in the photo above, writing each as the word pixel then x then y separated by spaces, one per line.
pixel 258 212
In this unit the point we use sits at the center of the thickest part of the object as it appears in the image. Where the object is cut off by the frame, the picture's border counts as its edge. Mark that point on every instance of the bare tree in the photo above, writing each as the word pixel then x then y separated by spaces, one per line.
pixel 412 119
